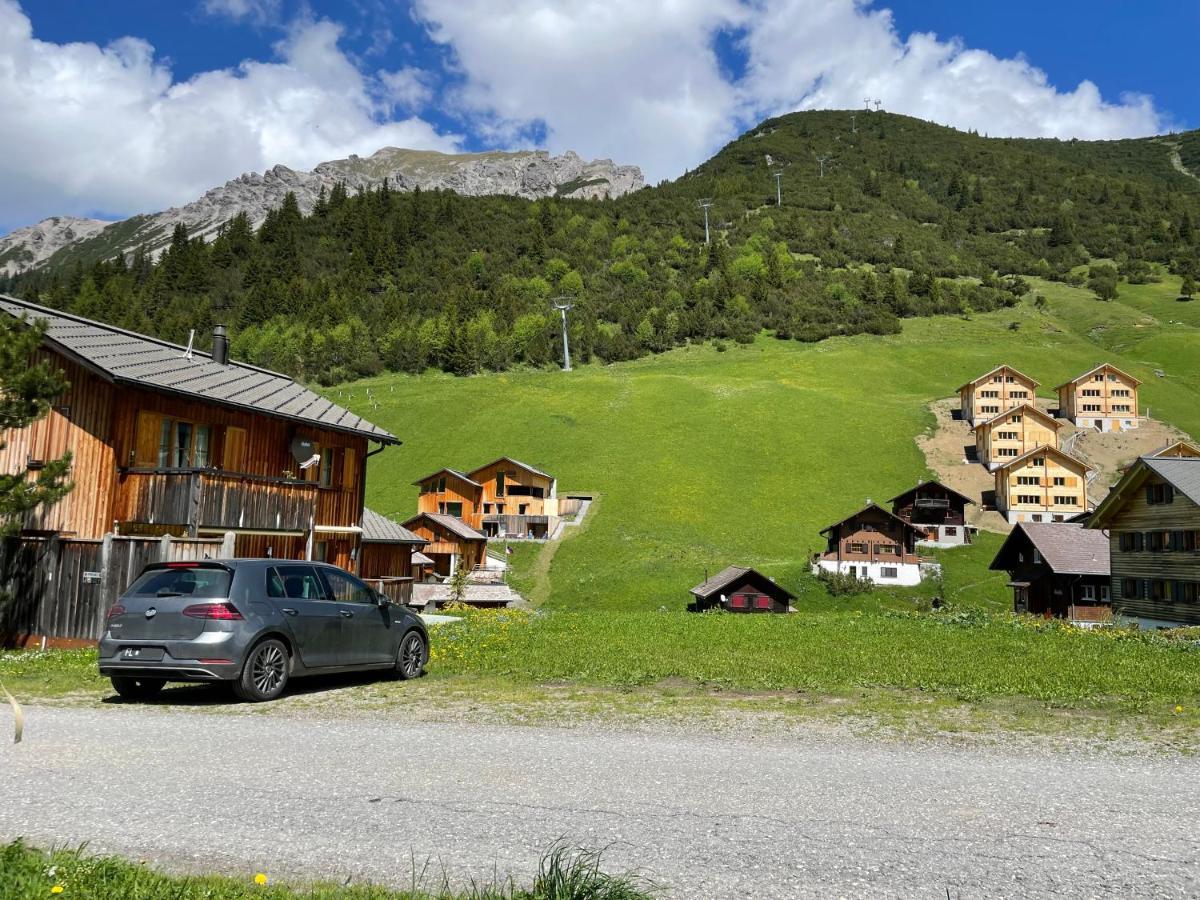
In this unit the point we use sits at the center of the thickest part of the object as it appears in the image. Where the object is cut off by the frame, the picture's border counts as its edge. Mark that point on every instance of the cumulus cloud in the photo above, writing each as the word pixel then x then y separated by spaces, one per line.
pixel 108 129
pixel 257 11
pixel 641 81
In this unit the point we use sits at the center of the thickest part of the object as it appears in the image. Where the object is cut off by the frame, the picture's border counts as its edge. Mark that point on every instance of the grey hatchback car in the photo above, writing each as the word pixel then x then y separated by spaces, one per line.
pixel 255 623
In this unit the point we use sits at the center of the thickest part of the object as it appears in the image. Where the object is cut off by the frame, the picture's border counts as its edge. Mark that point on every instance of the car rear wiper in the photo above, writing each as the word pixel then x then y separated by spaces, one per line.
pixel 169 594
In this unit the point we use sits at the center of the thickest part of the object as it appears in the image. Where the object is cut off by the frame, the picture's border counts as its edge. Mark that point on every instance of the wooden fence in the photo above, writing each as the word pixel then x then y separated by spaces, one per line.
pixel 57 590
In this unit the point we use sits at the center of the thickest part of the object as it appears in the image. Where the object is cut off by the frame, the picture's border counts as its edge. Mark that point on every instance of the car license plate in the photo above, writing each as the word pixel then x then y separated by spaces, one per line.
pixel 142 654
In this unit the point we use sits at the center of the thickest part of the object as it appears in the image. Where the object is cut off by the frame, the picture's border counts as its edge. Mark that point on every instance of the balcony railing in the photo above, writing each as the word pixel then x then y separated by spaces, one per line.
pixel 211 500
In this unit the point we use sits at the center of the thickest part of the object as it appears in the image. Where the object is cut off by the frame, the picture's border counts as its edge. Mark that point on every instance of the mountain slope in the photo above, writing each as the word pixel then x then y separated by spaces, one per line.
pixel 908 219
pixel 528 174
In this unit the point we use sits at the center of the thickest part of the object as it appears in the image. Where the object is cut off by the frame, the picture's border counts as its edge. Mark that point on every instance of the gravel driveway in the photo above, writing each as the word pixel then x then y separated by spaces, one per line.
pixel 705 815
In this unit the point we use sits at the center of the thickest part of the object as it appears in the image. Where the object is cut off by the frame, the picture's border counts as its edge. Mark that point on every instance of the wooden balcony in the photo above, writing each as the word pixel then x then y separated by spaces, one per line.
pixel 213 500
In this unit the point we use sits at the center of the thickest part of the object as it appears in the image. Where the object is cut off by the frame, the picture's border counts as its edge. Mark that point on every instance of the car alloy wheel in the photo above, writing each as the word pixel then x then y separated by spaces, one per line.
pixel 412 656
pixel 265 673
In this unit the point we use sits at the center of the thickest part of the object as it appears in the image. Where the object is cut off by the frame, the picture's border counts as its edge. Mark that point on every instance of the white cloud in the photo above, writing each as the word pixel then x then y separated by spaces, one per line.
pixel 256 11
pixel 107 128
pixel 407 88
pixel 639 80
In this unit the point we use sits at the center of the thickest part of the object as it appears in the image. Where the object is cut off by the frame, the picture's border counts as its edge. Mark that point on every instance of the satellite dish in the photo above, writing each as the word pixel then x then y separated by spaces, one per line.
pixel 302 448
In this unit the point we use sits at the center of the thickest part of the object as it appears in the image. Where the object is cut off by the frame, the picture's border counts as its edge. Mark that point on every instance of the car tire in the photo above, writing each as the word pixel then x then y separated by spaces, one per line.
pixel 264 673
pixel 136 688
pixel 411 656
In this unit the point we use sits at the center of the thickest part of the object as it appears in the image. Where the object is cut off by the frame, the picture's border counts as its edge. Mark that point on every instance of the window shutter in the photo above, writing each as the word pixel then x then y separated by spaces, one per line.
pixel 233 454
pixel 1145 588
pixel 1150 493
pixel 349 468
pixel 1168 493
pixel 147 438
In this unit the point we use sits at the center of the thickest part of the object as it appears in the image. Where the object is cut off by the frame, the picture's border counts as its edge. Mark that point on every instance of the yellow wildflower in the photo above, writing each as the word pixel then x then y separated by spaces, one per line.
pixel 260 879
pixel 1178 709
pixel 57 889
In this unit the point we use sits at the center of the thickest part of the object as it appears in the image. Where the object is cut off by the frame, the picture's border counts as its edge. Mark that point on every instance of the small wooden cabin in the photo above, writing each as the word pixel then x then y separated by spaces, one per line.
pixel 1043 485
pixel 995 392
pixel 449 542
pixel 386 555
pixel 1007 435
pixel 874 545
pixel 1152 516
pixel 1057 570
pixel 167 440
pixel 1178 450
pixel 1104 398
pixel 940 512
pixel 741 590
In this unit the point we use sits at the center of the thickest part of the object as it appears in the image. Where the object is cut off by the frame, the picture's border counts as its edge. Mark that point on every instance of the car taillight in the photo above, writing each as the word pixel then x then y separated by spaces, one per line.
pixel 212 611
pixel 115 610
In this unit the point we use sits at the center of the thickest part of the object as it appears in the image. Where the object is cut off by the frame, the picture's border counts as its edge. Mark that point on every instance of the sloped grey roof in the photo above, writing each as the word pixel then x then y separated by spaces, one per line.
pixel 125 357
pixel 731 574
pixel 420 559
pixel 1069 548
pixel 935 483
pixel 454 472
pixel 1182 472
pixel 452 524
pixel 515 462
pixel 377 529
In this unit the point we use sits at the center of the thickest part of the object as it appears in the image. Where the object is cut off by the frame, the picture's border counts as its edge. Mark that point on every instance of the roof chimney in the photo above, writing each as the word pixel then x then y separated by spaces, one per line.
pixel 220 347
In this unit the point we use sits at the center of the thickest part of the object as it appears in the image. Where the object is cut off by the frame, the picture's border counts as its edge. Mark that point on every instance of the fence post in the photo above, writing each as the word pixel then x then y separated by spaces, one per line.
pixel 106 597
pixel 48 606
pixel 228 543
pixel 164 548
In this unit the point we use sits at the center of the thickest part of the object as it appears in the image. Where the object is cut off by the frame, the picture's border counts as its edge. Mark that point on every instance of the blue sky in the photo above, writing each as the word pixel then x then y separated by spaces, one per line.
pixel 132 106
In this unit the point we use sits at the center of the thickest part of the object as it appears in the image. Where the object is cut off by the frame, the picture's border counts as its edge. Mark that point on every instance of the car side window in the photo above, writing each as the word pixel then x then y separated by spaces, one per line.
pixel 346 588
pixel 299 583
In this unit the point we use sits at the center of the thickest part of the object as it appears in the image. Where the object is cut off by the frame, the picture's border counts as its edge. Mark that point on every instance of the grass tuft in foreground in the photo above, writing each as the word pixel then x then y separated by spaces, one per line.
pixel 564 874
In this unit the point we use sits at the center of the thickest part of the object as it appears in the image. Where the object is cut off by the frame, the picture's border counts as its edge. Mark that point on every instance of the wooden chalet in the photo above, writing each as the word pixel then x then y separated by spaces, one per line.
pixel 518 501
pixel 874 545
pixel 167 440
pixel 1008 434
pixel 995 392
pixel 449 492
pixel 1043 485
pixel 1057 570
pixel 1104 398
pixel 741 590
pixel 938 511
pixel 1179 449
pixel 449 542
pixel 1152 516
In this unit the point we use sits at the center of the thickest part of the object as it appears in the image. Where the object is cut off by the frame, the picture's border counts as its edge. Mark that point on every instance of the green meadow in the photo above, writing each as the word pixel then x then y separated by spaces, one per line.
pixel 704 457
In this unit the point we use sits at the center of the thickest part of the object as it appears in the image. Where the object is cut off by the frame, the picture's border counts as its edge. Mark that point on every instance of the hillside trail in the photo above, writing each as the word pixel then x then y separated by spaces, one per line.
pixel 540 570
pixel 1177 160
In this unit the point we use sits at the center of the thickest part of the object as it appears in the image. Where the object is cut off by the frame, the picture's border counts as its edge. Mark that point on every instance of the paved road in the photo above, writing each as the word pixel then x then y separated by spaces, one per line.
pixel 706 815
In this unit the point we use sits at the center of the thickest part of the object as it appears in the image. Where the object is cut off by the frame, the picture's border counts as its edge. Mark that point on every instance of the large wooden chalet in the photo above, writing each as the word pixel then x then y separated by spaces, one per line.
pixel 1042 485
pixel 1152 516
pixel 874 545
pixel 940 512
pixel 995 392
pixel 1057 569
pixel 1104 398
pixel 171 441
pixel 505 498
pixel 1008 434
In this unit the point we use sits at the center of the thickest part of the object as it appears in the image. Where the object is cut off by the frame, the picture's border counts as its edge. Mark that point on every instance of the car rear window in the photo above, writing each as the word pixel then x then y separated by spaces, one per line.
pixel 183 582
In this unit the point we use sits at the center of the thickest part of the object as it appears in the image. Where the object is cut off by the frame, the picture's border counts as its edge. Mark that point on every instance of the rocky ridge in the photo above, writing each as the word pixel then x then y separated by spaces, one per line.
pixel 529 174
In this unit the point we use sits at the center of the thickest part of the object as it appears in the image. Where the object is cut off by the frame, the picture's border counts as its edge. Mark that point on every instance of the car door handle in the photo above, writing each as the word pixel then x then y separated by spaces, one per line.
pixel 288 611
pixel 346 614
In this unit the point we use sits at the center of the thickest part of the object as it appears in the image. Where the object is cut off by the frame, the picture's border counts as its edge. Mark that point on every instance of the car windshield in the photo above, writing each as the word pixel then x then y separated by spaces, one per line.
pixel 183 582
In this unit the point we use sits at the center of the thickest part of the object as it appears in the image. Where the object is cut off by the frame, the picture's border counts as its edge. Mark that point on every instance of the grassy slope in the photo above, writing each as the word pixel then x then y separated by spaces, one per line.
pixel 706 458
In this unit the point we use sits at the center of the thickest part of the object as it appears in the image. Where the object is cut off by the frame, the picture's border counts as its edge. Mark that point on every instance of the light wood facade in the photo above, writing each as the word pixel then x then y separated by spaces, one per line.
pixel 1042 485
pixel 995 392
pixel 1104 398
pixel 1153 520
pixel 505 498
pixel 449 544
pixel 451 493
pixel 1013 432
pixel 149 463
pixel 874 545
pixel 1177 450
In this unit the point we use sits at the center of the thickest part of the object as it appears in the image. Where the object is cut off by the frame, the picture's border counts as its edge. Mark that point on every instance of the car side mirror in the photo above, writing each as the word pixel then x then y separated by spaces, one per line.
pixel 381 600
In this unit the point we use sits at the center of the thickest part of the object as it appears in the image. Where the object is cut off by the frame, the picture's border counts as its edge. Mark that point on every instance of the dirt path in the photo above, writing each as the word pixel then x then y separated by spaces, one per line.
pixel 950 448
